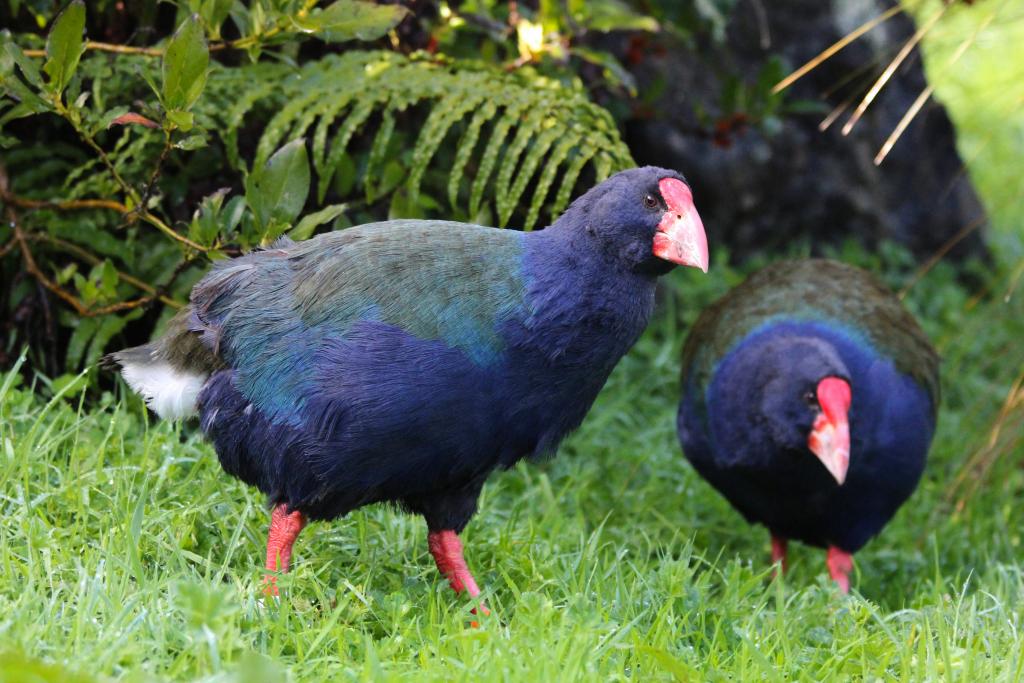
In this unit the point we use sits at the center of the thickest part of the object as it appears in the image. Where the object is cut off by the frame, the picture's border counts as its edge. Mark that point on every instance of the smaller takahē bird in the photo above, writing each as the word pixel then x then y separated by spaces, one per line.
pixel 405 361
pixel 809 401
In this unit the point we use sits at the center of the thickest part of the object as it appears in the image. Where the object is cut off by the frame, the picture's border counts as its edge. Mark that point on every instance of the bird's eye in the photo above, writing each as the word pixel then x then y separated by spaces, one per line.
pixel 650 202
pixel 811 400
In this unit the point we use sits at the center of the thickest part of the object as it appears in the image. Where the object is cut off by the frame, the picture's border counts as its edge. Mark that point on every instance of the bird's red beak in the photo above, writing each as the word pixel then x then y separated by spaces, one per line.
pixel 830 435
pixel 680 237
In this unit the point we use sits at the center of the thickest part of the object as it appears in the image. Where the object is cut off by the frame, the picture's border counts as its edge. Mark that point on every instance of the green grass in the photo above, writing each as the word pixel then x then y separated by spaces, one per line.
pixel 126 552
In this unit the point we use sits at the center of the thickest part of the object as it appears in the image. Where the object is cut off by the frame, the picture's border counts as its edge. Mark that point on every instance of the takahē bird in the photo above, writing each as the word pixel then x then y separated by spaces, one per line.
pixel 809 401
pixel 404 361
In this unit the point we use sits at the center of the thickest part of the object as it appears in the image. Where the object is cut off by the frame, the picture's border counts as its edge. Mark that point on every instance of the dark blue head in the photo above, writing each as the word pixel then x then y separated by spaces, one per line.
pixel 782 395
pixel 642 219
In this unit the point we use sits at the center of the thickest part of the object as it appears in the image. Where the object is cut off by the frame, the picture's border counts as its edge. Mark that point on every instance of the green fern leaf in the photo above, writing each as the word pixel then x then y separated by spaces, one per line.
pixel 547 177
pixel 466 146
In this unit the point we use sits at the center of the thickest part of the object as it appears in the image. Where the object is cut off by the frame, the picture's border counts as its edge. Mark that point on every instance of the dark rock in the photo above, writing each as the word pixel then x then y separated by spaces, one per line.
pixel 762 186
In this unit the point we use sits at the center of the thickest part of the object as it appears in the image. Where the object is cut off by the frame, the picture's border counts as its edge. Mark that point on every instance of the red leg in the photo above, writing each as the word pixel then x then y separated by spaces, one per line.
pixel 840 564
pixel 284 529
pixel 779 552
pixel 447 551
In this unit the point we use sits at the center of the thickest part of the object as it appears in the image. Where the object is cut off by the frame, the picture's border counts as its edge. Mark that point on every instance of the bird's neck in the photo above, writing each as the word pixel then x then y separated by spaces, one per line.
pixel 576 299
pixel 566 260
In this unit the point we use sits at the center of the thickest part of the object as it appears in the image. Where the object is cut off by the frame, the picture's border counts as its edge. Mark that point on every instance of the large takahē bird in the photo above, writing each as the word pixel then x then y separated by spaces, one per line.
pixel 809 402
pixel 404 361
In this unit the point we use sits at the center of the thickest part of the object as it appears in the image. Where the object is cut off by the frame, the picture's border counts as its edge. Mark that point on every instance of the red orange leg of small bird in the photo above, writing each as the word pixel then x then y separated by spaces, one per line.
pixel 840 564
pixel 284 529
pixel 779 553
pixel 447 551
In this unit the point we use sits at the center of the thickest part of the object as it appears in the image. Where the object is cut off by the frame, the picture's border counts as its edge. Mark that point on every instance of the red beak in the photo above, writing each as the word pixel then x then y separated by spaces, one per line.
pixel 680 237
pixel 830 435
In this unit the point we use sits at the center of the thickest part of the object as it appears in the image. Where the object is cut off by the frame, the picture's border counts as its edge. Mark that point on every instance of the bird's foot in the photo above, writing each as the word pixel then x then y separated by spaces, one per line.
pixel 284 529
pixel 779 545
pixel 840 564
pixel 778 549
pixel 447 551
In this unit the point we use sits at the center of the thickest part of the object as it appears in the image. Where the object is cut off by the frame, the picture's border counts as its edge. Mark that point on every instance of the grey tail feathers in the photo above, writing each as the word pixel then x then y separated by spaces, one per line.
pixel 168 372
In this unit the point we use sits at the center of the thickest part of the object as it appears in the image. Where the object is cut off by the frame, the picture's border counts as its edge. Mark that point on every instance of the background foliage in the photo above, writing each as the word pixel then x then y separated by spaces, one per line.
pixel 128 167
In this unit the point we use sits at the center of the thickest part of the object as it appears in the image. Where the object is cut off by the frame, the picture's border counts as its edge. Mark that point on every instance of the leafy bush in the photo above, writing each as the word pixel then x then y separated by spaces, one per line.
pixel 127 168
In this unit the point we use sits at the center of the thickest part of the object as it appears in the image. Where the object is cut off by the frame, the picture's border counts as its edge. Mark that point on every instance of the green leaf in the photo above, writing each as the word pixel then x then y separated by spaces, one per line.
pixel 110 325
pixel 182 120
pixel 33 105
pixel 85 328
pixel 351 20
pixel 65 45
pixel 11 54
pixel 615 15
pixel 108 279
pixel 107 120
pixel 194 141
pixel 214 13
pixel 614 72
pixel 185 64
pixel 206 219
pixel 277 192
pixel 69 386
pixel 311 222
pixel 232 214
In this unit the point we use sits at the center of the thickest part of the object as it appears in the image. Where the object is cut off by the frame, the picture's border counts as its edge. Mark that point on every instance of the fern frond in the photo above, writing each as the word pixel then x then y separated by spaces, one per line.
pixel 466 146
pixel 529 133
pixel 571 174
pixel 490 155
pixel 359 114
pixel 379 148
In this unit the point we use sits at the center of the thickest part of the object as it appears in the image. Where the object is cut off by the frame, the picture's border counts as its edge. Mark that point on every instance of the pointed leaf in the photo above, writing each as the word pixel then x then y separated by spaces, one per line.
pixel 311 222
pixel 129 117
pixel 616 15
pixel 65 45
pixel 215 12
pixel 186 59
pixel 194 141
pixel 351 19
pixel 278 191
pixel 11 54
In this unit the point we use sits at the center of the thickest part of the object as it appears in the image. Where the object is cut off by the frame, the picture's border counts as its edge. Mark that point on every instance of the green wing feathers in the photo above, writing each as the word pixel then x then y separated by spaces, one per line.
pixel 814 290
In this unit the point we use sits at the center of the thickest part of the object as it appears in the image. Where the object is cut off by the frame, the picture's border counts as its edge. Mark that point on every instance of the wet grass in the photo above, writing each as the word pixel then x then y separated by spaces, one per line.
pixel 125 552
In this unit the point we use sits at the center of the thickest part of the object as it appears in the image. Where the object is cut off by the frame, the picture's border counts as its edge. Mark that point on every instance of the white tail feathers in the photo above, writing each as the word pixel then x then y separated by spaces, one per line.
pixel 169 392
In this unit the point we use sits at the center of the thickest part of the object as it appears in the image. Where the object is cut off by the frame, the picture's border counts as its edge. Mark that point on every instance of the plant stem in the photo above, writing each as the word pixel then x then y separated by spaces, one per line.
pixel 73 204
pixel 237 44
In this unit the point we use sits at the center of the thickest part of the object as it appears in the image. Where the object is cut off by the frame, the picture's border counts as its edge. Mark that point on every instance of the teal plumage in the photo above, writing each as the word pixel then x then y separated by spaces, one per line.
pixel 268 308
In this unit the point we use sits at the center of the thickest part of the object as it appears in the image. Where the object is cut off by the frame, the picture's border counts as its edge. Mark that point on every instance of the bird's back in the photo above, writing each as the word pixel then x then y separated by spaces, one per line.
pixel 811 290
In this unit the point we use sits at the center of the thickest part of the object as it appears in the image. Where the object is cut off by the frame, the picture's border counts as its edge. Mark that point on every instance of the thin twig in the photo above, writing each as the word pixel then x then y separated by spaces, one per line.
pixel 87 139
pixel 237 44
pixel 834 48
pixel 80 308
pixel 985 457
pixel 92 259
pixel 904 52
pixel 148 190
pixel 66 205
pixel 72 204
pixel 108 47
pixel 927 92
pixel 941 252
